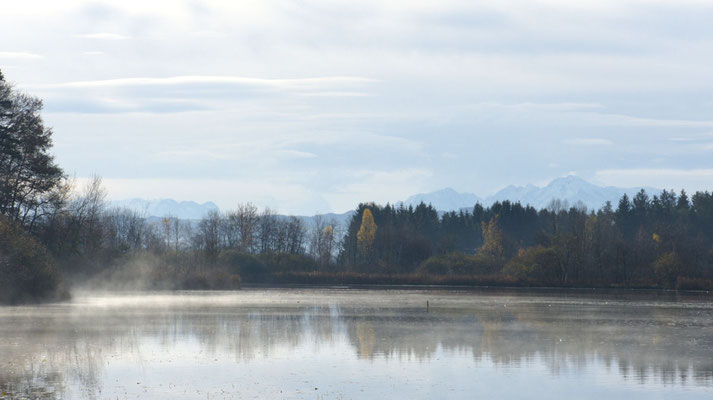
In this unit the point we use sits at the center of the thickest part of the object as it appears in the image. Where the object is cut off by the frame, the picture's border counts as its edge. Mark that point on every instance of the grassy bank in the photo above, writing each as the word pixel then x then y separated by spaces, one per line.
pixel 355 278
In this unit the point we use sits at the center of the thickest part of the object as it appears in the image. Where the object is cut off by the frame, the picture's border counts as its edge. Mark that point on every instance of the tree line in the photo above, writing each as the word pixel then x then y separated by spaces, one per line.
pixel 661 241
pixel 50 228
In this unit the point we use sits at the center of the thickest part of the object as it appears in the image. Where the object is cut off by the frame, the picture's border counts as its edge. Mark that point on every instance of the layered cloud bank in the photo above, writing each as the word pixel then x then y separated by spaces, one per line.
pixel 314 106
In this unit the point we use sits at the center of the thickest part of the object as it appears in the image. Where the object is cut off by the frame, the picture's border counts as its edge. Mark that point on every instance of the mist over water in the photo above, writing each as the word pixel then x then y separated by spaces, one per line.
pixel 362 344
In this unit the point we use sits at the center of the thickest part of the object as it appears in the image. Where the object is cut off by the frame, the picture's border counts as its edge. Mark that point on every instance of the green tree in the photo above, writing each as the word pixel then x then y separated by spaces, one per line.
pixel 29 176
pixel 667 268
pixel 641 203
pixel 538 264
pixel 27 272
pixel 683 203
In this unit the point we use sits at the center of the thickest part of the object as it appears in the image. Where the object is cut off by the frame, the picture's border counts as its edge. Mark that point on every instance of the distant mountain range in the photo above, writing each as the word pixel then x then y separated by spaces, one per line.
pixel 445 200
pixel 166 207
pixel 572 189
pixel 190 210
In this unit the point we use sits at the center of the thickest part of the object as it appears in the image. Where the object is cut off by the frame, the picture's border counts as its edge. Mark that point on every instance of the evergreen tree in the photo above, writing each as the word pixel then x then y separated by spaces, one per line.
pixel 683 203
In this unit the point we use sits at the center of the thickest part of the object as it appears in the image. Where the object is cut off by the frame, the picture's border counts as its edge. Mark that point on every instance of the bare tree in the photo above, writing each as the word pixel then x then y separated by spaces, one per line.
pixel 322 241
pixel 180 231
pixel 294 235
pixel 267 231
pixel 230 231
pixel 315 239
pixel 124 230
pixel 87 209
pixel 207 238
pixel 165 225
pixel 245 221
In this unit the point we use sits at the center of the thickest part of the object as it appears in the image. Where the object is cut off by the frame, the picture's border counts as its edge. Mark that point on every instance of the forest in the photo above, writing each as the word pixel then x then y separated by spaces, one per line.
pixel 54 232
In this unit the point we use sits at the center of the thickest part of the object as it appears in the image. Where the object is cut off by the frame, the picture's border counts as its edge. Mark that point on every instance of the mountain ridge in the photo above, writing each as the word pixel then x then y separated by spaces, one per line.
pixel 166 207
pixel 572 189
pixel 447 199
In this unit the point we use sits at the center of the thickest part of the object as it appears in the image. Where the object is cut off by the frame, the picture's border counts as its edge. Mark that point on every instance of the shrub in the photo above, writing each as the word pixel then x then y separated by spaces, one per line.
pixel 535 264
pixel 460 264
pixel 282 262
pixel 27 272
pixel 246 265
pixel 685 283
pixel 214 279
pixel 666 268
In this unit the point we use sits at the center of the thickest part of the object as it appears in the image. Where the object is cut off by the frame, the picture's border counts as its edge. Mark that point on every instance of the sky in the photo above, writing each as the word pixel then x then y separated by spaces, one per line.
pixel 314 106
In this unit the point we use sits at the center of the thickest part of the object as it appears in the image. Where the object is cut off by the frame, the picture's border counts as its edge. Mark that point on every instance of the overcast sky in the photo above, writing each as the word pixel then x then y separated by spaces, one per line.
pixel 313 106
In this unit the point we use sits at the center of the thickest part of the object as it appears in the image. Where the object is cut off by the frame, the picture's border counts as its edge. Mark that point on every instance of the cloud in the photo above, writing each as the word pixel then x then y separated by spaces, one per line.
pixel 254 152
pixel 589 142
pixel 285 197
pixel 689 179
pixel 194 154
pixel 212 79
pixel 103 36
pixel 336 94
pixel 380 186
pixel 563 106
pixel 504 90
pixel 19 55
pixel 195 93
pixel 628 120
pixel 295 154
pixel 118 105
pixel 208 34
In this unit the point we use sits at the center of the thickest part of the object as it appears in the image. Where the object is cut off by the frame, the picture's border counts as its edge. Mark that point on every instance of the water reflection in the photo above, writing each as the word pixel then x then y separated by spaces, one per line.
pixel 93 346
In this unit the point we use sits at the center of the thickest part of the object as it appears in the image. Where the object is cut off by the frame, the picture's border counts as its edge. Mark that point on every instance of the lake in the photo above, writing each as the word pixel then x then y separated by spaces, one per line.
pixel 360 344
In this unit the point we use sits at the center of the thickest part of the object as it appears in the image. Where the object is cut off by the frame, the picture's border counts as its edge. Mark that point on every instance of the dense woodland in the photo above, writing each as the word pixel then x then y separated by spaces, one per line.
pixel 660 241
pixel 52 231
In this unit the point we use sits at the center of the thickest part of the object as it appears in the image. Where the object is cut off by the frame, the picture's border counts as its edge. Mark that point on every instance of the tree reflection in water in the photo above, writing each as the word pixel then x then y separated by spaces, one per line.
pixel 48 351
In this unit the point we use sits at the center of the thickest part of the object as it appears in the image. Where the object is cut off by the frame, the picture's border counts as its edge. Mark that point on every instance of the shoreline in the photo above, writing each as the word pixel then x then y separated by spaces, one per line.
pixel 425 287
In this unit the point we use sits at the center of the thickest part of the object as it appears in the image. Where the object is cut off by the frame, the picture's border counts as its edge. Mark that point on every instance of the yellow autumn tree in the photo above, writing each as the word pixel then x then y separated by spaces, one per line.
pixel 492 239
pixel 328 233
pixel 366 234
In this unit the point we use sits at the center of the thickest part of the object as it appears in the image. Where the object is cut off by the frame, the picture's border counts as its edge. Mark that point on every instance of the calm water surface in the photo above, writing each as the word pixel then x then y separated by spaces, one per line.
pixel 360 344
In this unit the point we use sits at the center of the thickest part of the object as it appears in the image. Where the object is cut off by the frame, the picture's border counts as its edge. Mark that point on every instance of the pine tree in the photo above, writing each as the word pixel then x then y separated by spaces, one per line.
pixel 683 203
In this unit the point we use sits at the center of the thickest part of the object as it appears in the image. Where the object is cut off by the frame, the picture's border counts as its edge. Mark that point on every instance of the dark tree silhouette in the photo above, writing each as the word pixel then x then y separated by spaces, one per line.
pixel 29 176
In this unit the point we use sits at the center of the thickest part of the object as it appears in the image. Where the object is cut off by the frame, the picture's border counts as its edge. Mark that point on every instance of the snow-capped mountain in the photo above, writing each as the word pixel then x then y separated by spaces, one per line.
pixel 445 199
pixel 190 210
pixel 166 207
pixel 572 189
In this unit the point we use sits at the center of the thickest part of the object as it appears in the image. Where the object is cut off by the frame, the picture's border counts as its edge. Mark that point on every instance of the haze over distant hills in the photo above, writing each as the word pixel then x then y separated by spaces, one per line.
pixel 573 189
pixel 190 210
pixel 166 207
pixel 445 199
